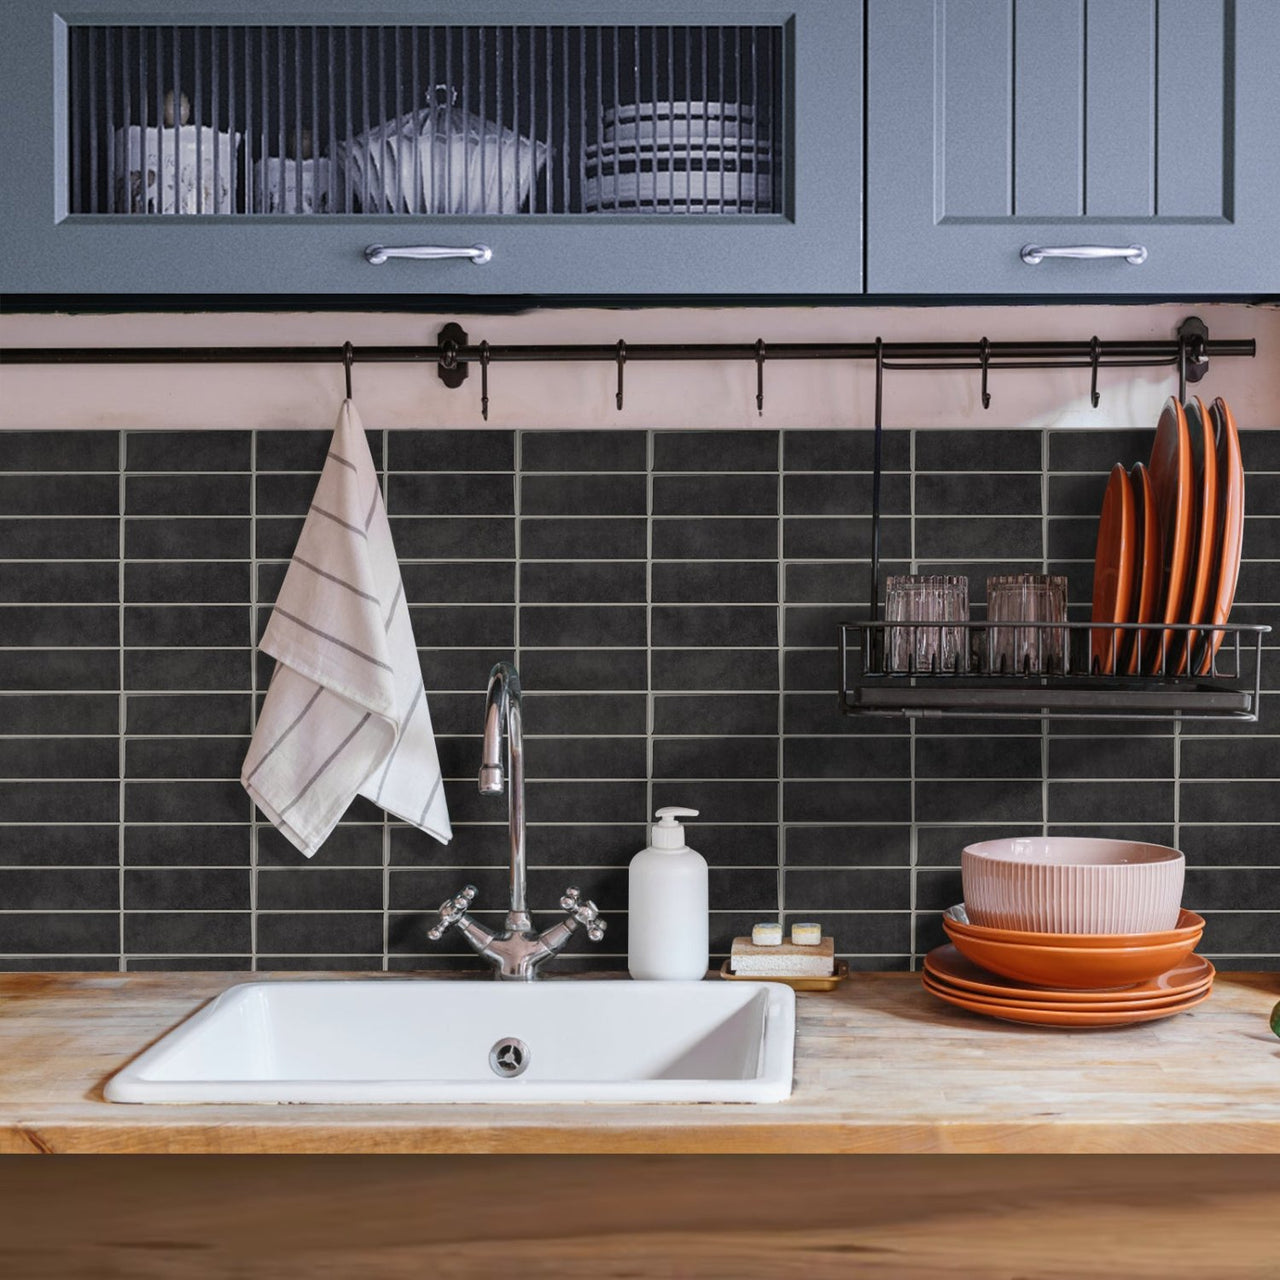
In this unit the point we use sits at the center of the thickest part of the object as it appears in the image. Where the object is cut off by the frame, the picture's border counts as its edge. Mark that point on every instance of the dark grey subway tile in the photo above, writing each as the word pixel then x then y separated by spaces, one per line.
pixel 197 582
pixel 833 494
pixel 459 670
pixel 194 495
pixel 844 537
pixel 65 801
pixel 938 888
pixel 441 538
pixel 1243 801
pixel 708 670
pixel 845 450
pixel 833 845
pixel 175 932
pixel 60 451
pixel 181 626
pixel 1012 449
pixel 183 802
pixel 1240 758
pixel 718 801
pixel 61 889
pixel 1111 757
pixel 71 538
pixel 186 757
pixel 848 889
pixel 65 670
pixel 58 626
pixel 188 714
pixel 349 845
pixel 50 844
pixel 445 450
pixel 566 538
pixel 715 451
pixel 742 889
pixel 88 582
pixel 180 845
pixel 715 714
pixel 878 801
pixel 476 582
pixel 60 495
pixel 1071 495
pixel 715 538
pixel 599 713
pixel 979 537
pixel 978 757
pixel 1096 452
pixel 1099 802
pixel 583 626
pixel 721 757
pixel 593 451
pixel 980 800
pixel 1226 888
pixel 181 670
pixel 179 889
pixel 456 626
pixel 190 538
pixel 583 495
pixel 577 757
pixel 715 495
pixel 309 888
pixel 87 933
pixel 59 713
pixel 283 494
pixel 1220 844
pixel 847 757
pixel 462 495
pixel 693 582
pixel 986 493
pixel 583 582
pixel 59 757
pixel 575 801
pixel 709 626
pixel 583 670
pixel 190 450
pixel 306 450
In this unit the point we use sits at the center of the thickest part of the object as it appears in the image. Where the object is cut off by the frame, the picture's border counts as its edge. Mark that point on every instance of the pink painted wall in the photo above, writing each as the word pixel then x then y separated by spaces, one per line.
pixel 660 396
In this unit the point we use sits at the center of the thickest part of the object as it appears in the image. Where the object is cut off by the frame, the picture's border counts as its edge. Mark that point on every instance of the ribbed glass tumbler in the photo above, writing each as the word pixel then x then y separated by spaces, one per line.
pixel 926 598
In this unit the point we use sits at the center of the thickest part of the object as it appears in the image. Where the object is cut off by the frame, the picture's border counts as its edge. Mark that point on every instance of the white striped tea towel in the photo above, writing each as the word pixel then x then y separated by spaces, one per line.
pixel 346 712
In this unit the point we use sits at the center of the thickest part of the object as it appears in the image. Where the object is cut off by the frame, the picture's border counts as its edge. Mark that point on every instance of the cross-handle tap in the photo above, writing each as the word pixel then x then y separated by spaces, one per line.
pixel 585 913
pixel 452 910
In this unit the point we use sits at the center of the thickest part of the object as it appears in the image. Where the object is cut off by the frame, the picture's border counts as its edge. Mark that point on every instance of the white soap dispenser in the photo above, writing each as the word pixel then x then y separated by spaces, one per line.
pixel 667 923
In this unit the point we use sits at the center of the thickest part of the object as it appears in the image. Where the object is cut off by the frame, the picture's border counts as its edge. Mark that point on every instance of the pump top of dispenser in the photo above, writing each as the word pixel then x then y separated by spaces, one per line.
pixel 667 832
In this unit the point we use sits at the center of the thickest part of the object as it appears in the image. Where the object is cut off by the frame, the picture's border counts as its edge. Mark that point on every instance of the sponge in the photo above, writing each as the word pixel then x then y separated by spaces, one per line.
pixel 785 960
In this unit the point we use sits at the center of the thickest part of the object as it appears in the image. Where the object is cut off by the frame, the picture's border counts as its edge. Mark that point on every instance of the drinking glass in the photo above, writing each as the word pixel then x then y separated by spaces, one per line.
pixel 1026 597
pixel 917 598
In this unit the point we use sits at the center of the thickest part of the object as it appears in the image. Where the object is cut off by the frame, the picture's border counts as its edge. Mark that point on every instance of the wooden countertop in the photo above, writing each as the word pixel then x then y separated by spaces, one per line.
pixel 881 1066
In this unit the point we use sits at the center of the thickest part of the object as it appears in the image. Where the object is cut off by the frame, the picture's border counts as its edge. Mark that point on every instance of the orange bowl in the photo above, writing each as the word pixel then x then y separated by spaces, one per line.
pixel 1190 927
pixel 1072 968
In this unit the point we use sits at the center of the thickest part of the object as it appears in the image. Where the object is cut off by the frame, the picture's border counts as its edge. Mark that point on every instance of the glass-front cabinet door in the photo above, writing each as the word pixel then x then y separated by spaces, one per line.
pixel 422 148
pixel 1073 147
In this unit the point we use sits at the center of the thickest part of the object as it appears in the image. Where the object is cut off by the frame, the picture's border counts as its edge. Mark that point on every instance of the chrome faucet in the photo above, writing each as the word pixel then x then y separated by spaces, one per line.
pixel 517 951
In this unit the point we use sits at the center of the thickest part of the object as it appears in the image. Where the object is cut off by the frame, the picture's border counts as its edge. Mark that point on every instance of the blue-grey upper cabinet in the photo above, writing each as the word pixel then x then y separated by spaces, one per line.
pixel 1145 129
pixel 545 147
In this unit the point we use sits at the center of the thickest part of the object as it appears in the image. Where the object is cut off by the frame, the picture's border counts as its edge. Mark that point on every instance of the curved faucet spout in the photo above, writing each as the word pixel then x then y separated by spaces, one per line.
pixel 502 710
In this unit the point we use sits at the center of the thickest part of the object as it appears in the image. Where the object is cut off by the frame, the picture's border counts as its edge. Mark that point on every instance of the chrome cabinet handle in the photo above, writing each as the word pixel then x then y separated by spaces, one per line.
pixel 1032 254
pixel 376 254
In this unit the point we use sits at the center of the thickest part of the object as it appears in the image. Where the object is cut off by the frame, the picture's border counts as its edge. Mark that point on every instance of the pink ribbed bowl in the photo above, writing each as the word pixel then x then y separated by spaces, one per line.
pixel 1072 884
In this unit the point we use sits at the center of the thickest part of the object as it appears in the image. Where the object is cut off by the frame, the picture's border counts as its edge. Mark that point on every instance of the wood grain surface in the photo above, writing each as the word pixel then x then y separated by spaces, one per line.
pixel 610 1218
pixel 881 1067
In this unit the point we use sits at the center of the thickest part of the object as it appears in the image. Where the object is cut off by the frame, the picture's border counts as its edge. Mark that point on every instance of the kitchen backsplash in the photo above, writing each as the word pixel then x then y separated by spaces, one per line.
pixel 670 599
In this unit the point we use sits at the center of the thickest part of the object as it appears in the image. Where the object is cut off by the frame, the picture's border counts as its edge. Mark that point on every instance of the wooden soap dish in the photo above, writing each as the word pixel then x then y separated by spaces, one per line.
pixel 806 983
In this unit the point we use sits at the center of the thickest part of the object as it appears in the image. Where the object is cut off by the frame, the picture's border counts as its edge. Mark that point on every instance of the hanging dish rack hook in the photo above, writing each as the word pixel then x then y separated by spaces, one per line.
pixel 622 360
pixel 484 381
pixel 348 355
pixel 1183 344
pixel 1095 354
pixel 760 351
pixel 984 359
pixel 875 483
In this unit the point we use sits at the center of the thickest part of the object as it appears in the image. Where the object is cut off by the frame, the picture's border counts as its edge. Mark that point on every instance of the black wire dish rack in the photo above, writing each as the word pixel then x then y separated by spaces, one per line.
pixel 1226 684
pixel 1136 671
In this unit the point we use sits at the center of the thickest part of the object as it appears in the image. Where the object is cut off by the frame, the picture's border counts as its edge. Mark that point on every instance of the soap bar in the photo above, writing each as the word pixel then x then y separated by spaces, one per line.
pixel 806 935
pixel 766 935
pixel 786 960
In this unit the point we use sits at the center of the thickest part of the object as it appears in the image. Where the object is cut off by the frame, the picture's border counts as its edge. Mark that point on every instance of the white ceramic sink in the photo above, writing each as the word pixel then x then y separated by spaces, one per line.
pixel 417 1040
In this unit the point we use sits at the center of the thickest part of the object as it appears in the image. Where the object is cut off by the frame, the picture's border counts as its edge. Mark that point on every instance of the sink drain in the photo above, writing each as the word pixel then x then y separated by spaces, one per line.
pixel 509 1058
